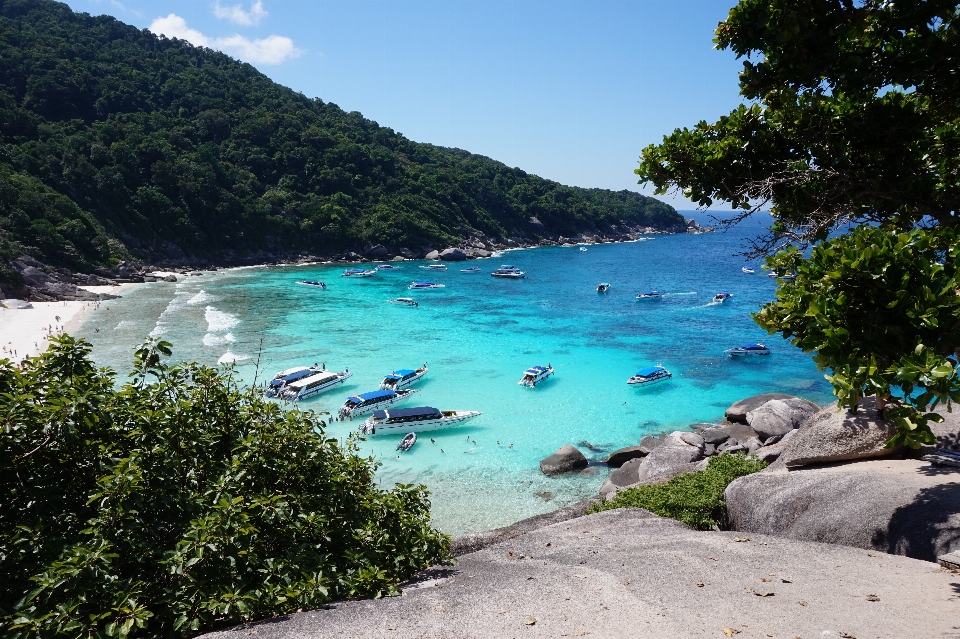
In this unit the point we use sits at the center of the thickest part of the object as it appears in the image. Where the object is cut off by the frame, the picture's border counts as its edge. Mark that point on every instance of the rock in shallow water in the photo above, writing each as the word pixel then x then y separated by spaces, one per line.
pixel 738 410
pixel 565 460
pixel 619 457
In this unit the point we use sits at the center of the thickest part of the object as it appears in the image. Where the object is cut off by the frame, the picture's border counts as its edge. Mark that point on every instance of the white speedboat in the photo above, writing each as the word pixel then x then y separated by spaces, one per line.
pixel 281 379
pixel 387 267
pixel 313 283
pixel 374 400
pixel 415 420
pixel 407 442
pixel 748 271
pixel 603 287
pixel 720 298
pixel 314 384
pixel 583 249
pixel 423 285
pixel 650 375
pixel 650 295
pixel 356 272
pixel 403 301
pixel 471 269
pixel 507 271
pixel 435 267
pixel 535 374
pixel 747 349
pixel 403 378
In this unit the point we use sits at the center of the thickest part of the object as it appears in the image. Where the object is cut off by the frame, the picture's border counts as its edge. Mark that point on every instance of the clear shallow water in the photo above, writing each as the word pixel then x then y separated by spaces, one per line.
pixel 478 335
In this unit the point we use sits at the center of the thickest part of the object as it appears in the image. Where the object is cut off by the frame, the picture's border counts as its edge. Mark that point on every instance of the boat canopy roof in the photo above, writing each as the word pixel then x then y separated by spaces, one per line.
pixel 403 372
pixel 423 283
pixel 421 411
pixel 647 372
pixel 533 370
pixel 651 293
pixel 316 377
pixel 363 397
pixel 754 347
pixel 291 375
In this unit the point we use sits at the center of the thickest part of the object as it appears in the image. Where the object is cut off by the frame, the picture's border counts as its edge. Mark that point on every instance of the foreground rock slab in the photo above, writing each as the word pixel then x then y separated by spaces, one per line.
pixel 628 573
pixel 900 506
pixel 834 435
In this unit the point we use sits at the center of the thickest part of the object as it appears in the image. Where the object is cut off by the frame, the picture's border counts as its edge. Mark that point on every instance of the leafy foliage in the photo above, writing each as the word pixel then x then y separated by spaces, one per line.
pixel 156 147
pixel 694 498
pixel 179 502
pixel 853 116
pixel 880 309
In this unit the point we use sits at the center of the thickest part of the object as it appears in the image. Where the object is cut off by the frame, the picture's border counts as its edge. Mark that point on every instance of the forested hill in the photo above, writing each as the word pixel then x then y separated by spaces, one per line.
pixel 117 142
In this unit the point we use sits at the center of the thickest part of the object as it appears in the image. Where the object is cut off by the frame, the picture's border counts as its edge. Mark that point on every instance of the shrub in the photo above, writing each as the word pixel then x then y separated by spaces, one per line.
pixel 694 498
pixel 180 502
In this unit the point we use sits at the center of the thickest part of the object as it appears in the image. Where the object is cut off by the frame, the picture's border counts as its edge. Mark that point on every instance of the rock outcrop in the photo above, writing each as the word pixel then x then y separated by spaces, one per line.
pixel 676 453
pixel 566 459
pixel 432 255
pixel 452 255
pixel 778 417
pixel 618 458
pixel 738 410
pixel 46 287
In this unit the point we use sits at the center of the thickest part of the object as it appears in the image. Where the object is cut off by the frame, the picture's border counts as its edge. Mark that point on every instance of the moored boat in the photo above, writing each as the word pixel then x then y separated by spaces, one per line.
pixel 535 374
pixel 747 349
pixel 507 271
pixel 407 442
pixel 583 249
pixel 471 269
pixel 403 301
pixel 364 403
pixel 281 379
pixel 356 272
pixel 313 283
pixel 425 285
pixel 387 267
pixel 720 298
pixel 650 375
pixel 650 295
pixel 420 419
pixel 314 384
pixel 748 271
pixel 403 378
pixel 603 287
pixel 435 267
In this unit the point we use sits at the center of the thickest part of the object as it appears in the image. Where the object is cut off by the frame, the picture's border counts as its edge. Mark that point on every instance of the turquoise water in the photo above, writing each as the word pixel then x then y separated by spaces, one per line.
pixel 478 335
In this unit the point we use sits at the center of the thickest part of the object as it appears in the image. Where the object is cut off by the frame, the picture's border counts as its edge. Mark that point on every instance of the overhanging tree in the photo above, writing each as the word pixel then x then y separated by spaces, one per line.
pixel 851 117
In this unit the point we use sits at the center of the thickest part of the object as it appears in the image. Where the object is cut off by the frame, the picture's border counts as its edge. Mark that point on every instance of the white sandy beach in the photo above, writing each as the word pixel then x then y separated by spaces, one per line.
pixel 24 332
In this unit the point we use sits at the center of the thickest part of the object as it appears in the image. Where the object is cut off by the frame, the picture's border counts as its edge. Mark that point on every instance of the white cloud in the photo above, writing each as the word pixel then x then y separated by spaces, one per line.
pixel 236 14
pixel 273 49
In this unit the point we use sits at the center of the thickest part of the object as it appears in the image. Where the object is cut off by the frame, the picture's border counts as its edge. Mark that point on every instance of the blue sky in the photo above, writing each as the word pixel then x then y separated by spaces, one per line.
pixel 568 90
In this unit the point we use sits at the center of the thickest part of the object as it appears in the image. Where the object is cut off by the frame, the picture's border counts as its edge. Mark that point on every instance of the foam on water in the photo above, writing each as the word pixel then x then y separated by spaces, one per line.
pixel 479 334
pixel 201 298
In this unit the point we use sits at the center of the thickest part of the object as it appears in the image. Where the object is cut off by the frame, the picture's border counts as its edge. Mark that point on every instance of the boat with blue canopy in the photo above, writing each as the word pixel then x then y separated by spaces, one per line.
pixel 720 298
pixel 422 418
pixel 387 267
pixel 650 295
pixel 284 377
pixel 535 374
pixel 313 283
pixel 507 271
pixel 650 375
pixel 747 350
pixel 373 401
pixel 471 269
pixel 403 378
pixel 424 285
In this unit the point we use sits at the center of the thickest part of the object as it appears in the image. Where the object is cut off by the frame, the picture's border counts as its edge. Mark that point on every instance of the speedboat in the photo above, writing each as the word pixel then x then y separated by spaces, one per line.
pixel 603 287
pixel 720 298
pixel 403 301
pixel 748 271
pixel 418 419
pixel 419 285
pixel 407 442
pixel 472 269
pixel 508 272
pixel 313 283
pixel 314 384
pixel 583 249
pixel 650 295
pixel 281 379
pixel 650 375
pixel 435 267
pixel 536 374
pixel 747 349
pixel 403 378
pixel 374 400
pixel 356 272
pixel 785 276
pixel 387 267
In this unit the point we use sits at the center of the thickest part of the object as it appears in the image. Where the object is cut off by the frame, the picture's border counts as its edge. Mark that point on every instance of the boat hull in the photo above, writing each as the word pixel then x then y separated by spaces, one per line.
pixel 745 353
pixel 648 382
pixel 447 421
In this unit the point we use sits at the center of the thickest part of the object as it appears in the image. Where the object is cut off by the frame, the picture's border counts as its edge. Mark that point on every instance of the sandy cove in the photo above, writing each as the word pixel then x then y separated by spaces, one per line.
pixel 25 332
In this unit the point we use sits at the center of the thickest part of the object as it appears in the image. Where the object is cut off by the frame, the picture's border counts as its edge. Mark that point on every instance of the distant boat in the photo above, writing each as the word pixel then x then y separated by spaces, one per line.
pixel 747 349
pixel 583 249
pixel 435 267
pixel 387 267
pixel 720 298
pixel 313 283
pixel 748 271
pixel 650 375
pixel 403 301
pixel 425 285
pixel 508 272
pixel 535 374
pixel 650 295
pixel 785 276
pixel 471 269
pixel 407 442
pixel 603 287
pixel 418 419
pixel 357 272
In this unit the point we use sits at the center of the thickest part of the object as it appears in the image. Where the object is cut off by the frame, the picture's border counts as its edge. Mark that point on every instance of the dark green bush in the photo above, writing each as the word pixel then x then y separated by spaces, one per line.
pixel 695 498
pixel 180 502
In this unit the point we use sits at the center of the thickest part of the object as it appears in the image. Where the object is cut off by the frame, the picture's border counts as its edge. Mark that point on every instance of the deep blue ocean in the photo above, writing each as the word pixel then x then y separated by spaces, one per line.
pixel 478 335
